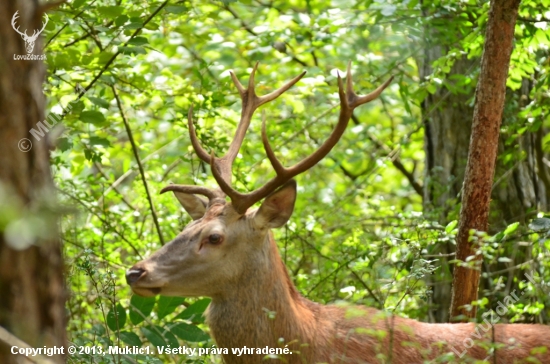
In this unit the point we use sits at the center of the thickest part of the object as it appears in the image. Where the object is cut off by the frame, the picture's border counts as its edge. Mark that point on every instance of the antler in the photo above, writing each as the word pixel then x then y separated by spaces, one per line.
pixel 35 33
pixel 221 167
pixel 15 16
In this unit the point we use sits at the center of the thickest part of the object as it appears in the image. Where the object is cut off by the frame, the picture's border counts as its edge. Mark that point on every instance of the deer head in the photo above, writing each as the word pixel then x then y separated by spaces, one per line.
pixel 226 241
pixel 29 40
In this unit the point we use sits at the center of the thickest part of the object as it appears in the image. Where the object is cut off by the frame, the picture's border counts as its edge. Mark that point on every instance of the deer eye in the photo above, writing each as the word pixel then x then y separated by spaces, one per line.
pixel 215 239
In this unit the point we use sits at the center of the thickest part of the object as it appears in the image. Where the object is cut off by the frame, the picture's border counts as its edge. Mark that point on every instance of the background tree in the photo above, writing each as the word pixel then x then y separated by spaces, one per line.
pixel 31 266
pixel 478 182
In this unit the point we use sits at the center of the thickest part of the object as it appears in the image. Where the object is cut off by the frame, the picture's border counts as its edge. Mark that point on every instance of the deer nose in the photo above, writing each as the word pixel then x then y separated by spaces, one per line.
pixel 134 274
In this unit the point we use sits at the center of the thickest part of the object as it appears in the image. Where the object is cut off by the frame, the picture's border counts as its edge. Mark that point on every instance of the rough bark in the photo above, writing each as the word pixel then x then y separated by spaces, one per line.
pixel 488 109
pixel 31 278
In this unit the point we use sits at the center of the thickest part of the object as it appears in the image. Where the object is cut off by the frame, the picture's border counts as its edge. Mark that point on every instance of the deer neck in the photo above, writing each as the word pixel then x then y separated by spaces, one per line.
pixel 263 307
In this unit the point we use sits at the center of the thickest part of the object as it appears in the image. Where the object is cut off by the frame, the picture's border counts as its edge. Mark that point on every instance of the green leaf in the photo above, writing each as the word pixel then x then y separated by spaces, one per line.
pixel 138 41
pixel 175 9
pixel 167 336
pixel 450 226
pixel 153 336
pixel 504 260
pixel 104 57
pixel 110 11
pixel 121 20
pixel 188 332
pixel 130 338
pixel 167 305
pixel 132 50
pixel 99 102
pixel 133 25
pixel 116 318
pixel 431 88
pixel 99 141
pixel 64 144
pixel 98 329
pixel 92 117
pixel 195 311
pixel 511 228
pixel 140 308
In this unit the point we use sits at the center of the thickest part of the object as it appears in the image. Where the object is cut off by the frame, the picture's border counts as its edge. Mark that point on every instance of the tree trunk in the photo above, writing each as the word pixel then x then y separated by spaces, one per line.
pixel 32 293
pixel 480 169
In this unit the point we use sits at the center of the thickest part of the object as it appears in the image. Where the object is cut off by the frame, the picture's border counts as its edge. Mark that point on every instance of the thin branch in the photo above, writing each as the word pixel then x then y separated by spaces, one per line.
pixel 93 34
pixel 252 32
pixel 394 159
pixel 85 35
pixel 129 171
pixel 380 304
pixel 124 199
pixel 138 160
pixel 103 221
pixel 110 61
pixel 243 23
pixel 66 25
pixel 11 340
pixel 527 20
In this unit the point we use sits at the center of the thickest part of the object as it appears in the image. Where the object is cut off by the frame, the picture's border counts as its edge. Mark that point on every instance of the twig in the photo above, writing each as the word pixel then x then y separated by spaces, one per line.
pixel 380 304
pixel 102 172
pixel 103 221
pixel 138 160
pixel 395 159
pixel 11 340
pixel 110 61
pixel 64 26
pixel 129 171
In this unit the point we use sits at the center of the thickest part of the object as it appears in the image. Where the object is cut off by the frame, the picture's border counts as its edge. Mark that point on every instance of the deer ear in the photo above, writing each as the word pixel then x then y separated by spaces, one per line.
pixel 277 207
pixel 193 204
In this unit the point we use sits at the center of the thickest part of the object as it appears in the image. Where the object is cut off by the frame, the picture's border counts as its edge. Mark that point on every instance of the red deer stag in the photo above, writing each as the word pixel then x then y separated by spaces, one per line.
pixel 228 253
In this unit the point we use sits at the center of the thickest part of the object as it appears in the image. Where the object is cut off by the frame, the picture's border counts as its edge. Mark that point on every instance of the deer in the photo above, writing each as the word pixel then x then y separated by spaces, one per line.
pixel 228 253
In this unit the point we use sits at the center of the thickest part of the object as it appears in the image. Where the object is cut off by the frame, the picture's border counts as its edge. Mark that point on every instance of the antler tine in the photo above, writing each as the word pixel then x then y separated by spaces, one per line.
pixel 273 95
pixel 348 102
pixel 248 98
pixel 203 154
pixel 250 102
pixel 199 190
pixel 13 19
pixel 360 100
pixel 45 23
pixel 237 83
pixel 277 166
pixel 371 96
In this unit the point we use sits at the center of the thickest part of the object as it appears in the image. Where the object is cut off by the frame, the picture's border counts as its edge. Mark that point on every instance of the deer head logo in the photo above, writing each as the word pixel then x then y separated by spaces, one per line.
pixel 29 40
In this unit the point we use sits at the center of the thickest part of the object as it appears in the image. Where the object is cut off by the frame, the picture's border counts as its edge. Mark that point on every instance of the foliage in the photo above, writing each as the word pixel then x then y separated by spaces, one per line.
pixel 358 232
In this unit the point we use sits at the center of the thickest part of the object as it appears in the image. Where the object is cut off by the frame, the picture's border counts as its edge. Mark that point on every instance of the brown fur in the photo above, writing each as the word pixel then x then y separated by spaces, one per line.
pixel 330 334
